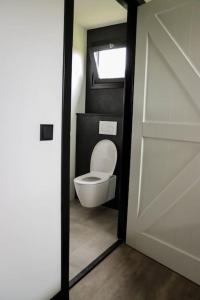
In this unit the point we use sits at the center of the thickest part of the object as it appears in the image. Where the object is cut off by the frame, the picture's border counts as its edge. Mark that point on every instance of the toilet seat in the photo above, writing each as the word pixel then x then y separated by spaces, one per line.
pixel 93 177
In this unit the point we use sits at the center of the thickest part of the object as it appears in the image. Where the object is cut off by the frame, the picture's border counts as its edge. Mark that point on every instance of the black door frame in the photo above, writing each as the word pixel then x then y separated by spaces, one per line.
pixel 128 113
pixel 131 6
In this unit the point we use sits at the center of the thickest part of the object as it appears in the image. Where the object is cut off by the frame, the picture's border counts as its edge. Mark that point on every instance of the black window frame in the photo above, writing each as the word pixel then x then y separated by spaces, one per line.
pixel 95 81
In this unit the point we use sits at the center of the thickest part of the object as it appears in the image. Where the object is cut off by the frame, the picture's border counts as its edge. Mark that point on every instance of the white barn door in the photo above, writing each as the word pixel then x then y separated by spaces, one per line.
pixel 164 195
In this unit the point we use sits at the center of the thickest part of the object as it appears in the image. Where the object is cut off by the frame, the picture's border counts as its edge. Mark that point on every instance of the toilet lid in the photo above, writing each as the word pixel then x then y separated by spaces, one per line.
pixel 104 157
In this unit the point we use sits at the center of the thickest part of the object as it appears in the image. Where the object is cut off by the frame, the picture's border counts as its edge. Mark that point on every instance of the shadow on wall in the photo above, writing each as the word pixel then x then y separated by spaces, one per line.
pixel 78 92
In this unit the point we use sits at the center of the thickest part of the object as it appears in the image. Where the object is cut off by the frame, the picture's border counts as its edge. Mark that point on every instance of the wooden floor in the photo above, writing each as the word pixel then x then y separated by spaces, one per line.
pixel 128 275
pixel 92 231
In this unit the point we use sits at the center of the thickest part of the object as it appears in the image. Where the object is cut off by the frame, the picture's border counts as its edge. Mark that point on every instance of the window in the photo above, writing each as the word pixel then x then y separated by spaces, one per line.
pixel 110 63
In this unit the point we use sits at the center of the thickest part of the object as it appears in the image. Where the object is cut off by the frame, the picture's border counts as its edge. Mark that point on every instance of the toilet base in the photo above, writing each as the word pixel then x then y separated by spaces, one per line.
pixel 94 195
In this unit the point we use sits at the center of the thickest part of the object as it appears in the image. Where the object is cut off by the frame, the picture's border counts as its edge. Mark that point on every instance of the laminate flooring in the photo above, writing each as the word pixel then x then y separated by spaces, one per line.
pixel 129 275
pixel 92 231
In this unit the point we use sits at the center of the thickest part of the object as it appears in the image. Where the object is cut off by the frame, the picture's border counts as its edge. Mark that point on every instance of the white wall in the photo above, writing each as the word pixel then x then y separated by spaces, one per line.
pixel 78 91
pixel 31 50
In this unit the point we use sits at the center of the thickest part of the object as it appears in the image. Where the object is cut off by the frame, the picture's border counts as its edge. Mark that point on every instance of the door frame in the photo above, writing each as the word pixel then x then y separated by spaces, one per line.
pixel 131 7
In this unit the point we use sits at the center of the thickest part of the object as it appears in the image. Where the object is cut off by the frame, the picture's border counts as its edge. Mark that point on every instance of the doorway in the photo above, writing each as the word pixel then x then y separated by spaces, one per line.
pixel 127 96
pixel 97 106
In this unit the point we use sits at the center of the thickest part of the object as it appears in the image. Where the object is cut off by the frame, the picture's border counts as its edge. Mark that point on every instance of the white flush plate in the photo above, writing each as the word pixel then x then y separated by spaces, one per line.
pixel 108 127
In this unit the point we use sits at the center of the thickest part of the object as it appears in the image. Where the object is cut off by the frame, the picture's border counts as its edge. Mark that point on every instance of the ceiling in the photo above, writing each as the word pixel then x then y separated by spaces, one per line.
pixel 98 13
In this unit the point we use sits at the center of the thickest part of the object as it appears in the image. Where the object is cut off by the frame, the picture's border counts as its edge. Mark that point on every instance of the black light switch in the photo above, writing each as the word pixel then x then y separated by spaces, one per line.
pixel 46 132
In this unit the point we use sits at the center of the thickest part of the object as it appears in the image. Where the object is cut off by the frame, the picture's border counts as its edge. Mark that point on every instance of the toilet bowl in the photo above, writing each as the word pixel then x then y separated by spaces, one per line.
pixel 98 186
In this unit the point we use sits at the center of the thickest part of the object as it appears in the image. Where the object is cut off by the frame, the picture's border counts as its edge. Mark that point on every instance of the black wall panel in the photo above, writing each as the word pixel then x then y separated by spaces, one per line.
pixel 102 104
pixel 114 32
pixel 105 101
pixel 88 136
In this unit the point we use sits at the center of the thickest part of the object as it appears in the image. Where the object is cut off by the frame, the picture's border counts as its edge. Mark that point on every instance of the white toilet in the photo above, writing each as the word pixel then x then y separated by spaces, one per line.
pixel 98 186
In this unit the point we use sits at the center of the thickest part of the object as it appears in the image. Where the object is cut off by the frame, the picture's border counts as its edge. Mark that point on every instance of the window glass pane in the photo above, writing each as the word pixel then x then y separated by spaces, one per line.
pixel 111 63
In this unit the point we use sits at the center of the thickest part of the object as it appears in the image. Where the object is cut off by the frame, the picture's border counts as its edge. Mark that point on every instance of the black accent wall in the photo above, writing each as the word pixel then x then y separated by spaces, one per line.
pixel 102 104
pixel 88 136
pixel 104 100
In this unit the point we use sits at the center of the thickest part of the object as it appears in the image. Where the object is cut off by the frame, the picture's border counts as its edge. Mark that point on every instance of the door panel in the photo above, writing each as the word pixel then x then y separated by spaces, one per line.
pixel 164 201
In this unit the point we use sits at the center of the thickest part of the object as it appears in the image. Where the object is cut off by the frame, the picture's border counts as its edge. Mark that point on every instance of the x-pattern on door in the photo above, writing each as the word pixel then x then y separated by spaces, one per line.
pixel 164 195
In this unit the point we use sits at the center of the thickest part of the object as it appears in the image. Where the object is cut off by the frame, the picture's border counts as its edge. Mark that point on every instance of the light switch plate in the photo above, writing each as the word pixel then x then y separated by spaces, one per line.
pixel 46 132
pixel 108 127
